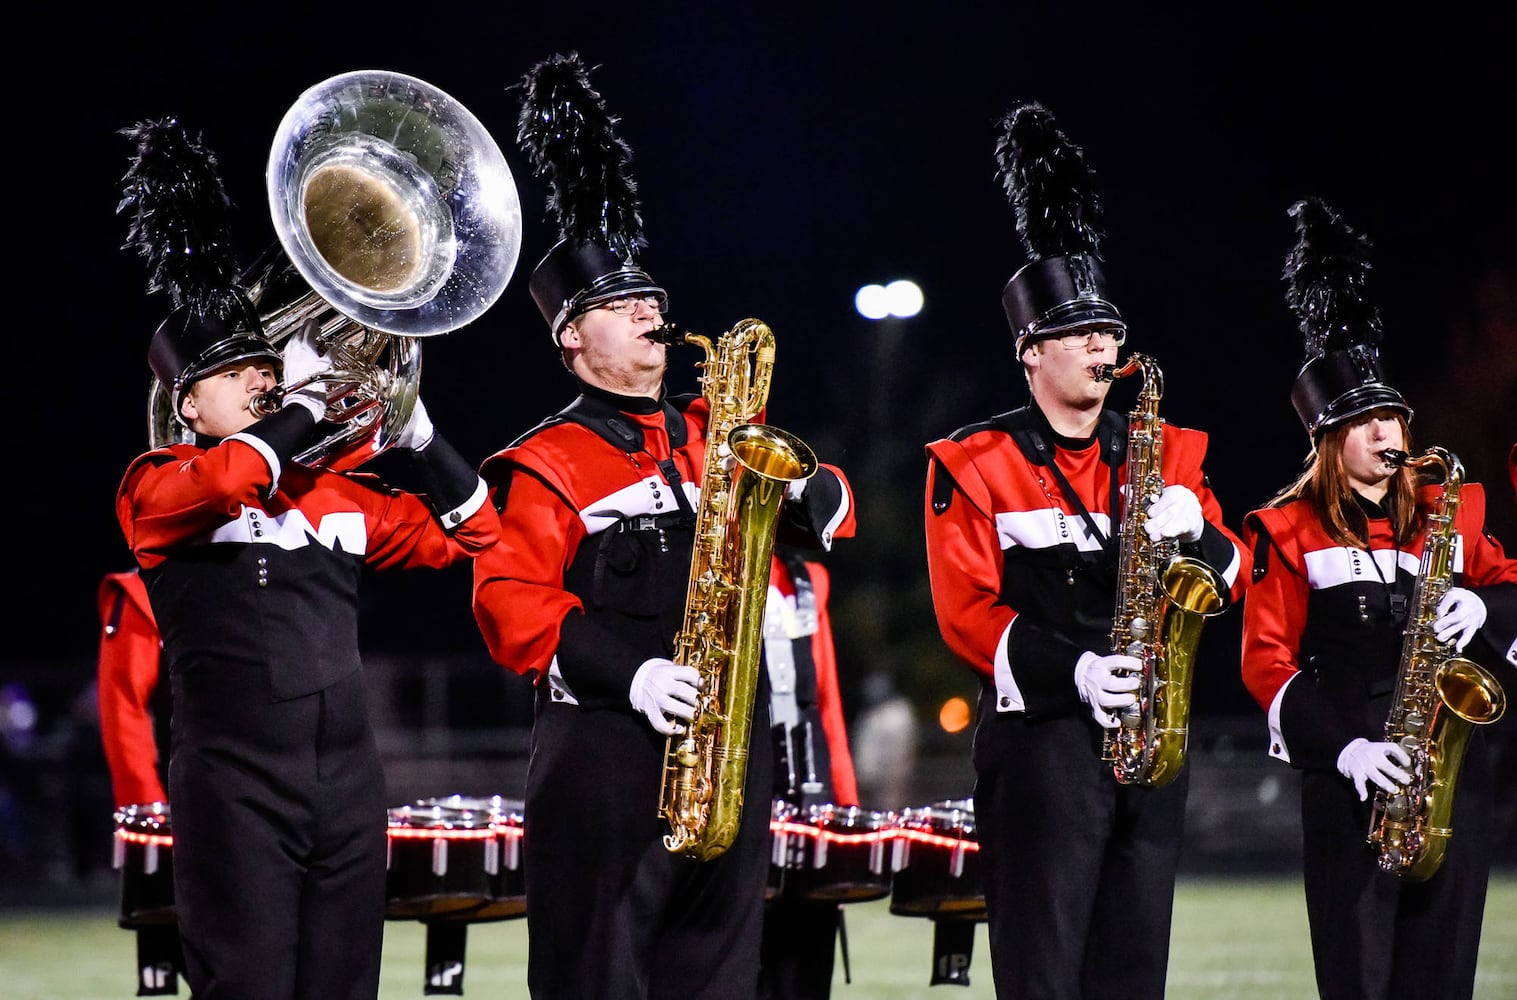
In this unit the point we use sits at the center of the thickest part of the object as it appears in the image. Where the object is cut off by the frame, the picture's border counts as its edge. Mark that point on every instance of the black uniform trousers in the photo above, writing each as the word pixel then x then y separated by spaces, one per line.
pixel 1375 935
pixel 279 837
pixel 800 945
pixel 611 913
pixel 1079 868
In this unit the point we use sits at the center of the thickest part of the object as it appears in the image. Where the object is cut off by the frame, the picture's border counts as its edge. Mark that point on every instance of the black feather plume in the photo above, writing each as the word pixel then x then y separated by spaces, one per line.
pixel 180 221
pixel 1048 184
pixel 571 141
pixel 1326 278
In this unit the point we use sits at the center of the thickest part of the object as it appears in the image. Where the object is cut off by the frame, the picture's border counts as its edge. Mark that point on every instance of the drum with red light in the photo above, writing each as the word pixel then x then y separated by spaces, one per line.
pixel 832 852
pixel 143 851
pixel 502 859
pixel 437 863
pixel 935 862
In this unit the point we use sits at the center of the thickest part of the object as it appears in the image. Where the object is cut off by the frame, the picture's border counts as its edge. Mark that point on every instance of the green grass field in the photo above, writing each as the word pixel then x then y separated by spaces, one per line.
pixel 1238 937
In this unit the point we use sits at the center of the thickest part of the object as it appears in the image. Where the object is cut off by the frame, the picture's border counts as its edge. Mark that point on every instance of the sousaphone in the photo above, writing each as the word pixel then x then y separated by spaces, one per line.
pixel 397 219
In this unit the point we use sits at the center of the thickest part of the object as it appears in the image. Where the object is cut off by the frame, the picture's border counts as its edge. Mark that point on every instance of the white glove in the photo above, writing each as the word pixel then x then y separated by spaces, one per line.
pixel 796 489
pixel 1107 682
pixel 1176 514
pixel 1460 613
pixel 417 433
pixel 301 361
pixel 1362 762
pixel 660 689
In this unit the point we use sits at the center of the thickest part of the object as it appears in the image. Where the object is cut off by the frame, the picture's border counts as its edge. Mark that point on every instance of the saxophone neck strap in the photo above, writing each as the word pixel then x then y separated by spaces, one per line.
pixel 606 414
pixel 1030 429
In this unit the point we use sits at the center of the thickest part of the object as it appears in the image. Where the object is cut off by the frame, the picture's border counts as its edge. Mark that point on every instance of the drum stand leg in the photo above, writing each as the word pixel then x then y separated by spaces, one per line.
pixel 952 951
pixel 445 957
pixel 159 960
pixel 843 944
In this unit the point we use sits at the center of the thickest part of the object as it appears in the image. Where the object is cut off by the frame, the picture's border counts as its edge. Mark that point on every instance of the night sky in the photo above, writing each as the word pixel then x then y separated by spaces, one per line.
pixel 784 159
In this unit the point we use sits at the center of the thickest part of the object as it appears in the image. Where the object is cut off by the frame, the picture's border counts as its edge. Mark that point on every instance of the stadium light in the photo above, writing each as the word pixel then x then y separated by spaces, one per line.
pixel 901 299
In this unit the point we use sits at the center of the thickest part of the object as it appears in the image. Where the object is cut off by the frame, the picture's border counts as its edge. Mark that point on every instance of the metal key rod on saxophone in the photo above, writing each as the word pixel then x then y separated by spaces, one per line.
pixel 1440 697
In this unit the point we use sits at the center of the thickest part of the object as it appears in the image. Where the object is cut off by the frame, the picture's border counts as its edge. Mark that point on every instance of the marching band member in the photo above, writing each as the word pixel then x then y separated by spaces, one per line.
pixel 1021 516
pixel 134 731
pixel 813 764
pixel 586 591
pixel 253 564
pixel 134 707
pixel 1336 557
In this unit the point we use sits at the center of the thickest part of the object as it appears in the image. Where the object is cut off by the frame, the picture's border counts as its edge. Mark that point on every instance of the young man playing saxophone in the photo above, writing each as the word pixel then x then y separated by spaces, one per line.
pixel 586 593
pixel 1021 519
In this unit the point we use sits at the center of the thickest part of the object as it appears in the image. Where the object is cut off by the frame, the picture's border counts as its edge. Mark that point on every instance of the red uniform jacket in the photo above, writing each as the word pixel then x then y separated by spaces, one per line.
pixel 262 562
pixel 1319 641
pixel 127 685
pixel 1019 584
pixel 565 491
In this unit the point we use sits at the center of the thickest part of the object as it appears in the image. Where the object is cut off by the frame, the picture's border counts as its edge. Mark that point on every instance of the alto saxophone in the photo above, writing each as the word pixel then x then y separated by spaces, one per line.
pixel 1163 599
pixel 1439 698
pixel 722 632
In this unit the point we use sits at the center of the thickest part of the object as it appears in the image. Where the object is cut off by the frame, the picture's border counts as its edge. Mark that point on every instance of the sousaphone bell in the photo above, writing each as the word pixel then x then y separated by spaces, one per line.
pixel 398 219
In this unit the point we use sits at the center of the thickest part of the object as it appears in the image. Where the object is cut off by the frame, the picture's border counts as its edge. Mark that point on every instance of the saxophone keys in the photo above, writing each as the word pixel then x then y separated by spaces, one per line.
pixel 1139 629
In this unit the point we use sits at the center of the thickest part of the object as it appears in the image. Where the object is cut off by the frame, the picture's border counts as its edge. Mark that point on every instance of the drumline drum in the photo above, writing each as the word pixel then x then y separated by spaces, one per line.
pixel 830 852
pixel 143 851
pixel 507 881
pixel 935 862
pixel 437 863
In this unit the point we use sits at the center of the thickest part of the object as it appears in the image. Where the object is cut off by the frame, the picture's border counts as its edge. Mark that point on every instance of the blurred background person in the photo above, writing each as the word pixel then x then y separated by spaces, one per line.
pixel 1337 564
pixel 813 765
pixel 134 710
pixel 885 739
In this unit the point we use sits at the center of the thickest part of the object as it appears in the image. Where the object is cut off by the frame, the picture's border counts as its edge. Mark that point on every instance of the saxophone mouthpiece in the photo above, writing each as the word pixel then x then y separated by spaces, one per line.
pixel 1394 458
pixel 667 334
pixel 1104 373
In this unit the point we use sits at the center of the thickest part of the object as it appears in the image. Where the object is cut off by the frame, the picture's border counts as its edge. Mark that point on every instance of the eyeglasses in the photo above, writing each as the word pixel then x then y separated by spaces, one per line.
pixel 626 305
pixel 1111 336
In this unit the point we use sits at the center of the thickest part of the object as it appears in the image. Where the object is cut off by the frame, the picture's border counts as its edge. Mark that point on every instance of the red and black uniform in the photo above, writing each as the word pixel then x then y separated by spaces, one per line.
pixel 813 764
pixel 253 567
pixel 1079 869
pixel 588 582
pixel 134 707
pixel 1322 637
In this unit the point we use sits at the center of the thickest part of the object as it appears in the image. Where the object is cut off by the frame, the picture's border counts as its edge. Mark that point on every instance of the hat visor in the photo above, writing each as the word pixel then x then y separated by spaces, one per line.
pixel 1084 313
pixel 616 285
pixel 1357 403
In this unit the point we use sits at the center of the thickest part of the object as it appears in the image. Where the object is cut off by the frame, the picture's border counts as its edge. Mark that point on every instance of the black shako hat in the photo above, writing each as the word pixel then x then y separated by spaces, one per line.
pixel 179 223
pixel 190 344
pixel 571 141
pixel 1058 217
pixel 1325 276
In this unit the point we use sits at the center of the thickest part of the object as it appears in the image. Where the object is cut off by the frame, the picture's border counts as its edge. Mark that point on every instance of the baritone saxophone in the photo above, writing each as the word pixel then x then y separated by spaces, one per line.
pixel 1440 697
pixel 1163 600
pixel 722 633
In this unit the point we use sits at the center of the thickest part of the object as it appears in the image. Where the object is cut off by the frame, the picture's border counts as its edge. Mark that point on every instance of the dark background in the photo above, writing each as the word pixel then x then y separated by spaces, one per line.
pixel 787 154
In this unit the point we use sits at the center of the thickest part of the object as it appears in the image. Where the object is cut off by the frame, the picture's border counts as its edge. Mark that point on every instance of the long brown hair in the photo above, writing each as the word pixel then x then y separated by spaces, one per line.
pixel 1324 485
